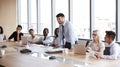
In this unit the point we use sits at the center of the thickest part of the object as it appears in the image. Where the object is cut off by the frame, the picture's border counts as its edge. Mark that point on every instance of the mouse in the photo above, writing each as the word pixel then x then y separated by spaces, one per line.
pixel 52 57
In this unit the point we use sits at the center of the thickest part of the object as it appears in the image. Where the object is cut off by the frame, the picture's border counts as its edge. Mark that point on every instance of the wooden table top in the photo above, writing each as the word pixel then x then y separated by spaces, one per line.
pixel 15 59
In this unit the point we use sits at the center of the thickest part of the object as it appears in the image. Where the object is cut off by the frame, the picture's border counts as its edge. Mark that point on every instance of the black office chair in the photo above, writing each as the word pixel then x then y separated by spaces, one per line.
pixel 87 43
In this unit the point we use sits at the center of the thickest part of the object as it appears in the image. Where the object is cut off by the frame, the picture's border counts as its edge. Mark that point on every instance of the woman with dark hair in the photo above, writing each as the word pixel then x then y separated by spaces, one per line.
pixel 16 34
pixel 55 40
pixel 2 36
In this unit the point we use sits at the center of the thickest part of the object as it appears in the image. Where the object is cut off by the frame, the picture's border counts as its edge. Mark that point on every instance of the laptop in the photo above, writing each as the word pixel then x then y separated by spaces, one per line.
pixel 24 40
pixel 79 49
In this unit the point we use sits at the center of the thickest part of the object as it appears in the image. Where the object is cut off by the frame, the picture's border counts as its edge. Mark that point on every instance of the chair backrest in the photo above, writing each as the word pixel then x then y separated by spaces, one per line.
pixel 84 41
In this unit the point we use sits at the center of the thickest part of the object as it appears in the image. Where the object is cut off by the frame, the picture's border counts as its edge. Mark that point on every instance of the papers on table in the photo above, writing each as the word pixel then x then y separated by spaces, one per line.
pixel 52 51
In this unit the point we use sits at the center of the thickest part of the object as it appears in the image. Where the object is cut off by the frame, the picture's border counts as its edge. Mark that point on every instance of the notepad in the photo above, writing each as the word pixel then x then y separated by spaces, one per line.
pixel 53 51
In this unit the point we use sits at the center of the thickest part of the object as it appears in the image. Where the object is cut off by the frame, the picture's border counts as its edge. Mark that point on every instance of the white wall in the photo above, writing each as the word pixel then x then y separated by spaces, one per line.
pixel 8 16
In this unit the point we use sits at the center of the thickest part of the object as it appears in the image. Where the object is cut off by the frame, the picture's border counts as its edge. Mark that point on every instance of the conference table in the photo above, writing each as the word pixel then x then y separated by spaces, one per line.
pixel 38 58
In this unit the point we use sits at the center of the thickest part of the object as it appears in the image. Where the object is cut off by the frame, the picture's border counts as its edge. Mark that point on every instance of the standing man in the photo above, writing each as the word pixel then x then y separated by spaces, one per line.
pixel 66 32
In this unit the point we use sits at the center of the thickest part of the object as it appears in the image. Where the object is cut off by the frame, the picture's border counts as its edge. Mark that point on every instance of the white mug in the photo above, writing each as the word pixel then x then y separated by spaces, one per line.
pixel 2 51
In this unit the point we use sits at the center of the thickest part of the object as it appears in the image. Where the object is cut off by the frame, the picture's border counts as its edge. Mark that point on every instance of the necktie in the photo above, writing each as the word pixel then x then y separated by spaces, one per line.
pixel 107 51
pixel 63 32
pixel 44 37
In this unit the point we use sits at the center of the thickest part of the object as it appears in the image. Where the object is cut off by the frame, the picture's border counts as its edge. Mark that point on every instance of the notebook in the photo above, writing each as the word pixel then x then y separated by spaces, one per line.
pixel 79 49
pixel 54 51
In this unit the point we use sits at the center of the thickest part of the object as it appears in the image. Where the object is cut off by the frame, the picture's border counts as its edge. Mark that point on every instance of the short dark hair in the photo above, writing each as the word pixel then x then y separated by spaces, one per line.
pixel 111 34
pixel 1 32
pixel 19 26
pixel 31 30
pixel 60 15
pixel 46 29
pixel 55 32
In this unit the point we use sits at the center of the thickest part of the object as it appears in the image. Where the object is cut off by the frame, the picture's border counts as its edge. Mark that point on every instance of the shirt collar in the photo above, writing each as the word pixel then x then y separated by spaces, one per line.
pixel 112 43
pixel 64 23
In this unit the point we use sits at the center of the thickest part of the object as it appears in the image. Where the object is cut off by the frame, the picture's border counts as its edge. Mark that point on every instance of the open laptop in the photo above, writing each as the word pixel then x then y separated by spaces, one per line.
pixel 79 49
pixel 24 40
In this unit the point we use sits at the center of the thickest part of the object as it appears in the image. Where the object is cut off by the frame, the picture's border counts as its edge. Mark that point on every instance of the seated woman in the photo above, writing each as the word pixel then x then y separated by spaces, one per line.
pixel 96 46
pixel 32 38
pixel 55 40
pixel 16 34
pixel 2 35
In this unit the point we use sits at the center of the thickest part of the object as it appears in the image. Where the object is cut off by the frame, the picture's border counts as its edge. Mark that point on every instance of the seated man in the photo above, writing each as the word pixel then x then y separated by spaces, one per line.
pixel 16 34
pixel 114 47
pixel 45 39
pixel 32 38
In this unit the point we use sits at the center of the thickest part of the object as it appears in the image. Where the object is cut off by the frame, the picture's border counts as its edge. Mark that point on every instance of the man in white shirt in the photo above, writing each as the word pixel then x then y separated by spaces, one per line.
pixel 66 32
pixel 114 47
pixel 45 39
pixel 32 38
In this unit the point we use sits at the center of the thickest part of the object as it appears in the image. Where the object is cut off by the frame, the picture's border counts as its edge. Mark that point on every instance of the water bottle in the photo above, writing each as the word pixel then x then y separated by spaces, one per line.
pixel 87 57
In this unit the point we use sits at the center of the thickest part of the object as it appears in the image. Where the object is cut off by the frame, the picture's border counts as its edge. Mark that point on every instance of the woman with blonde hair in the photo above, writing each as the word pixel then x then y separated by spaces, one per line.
pixel 96 46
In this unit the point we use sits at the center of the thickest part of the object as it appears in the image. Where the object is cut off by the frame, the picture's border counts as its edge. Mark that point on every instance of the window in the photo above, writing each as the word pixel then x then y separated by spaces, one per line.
pixel 104 15
pixel 44 16
pixel 81 18
pixel 22 15
pixel 40 14
pixel 33 15
pixel 61 6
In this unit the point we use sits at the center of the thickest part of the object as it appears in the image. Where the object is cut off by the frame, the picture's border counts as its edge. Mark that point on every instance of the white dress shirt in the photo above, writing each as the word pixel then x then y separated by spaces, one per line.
pixel 48 40
pixel 114 51
pixel 30 39
pixel 68 34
